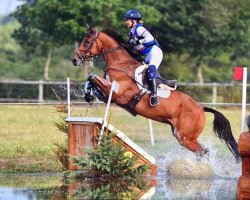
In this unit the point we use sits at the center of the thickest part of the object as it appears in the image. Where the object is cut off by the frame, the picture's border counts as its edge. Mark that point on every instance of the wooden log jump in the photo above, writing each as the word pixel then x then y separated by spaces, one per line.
pixel 84 130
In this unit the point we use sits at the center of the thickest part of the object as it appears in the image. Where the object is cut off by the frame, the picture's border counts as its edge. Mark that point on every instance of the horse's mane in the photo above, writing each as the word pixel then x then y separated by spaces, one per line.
pixel 120 39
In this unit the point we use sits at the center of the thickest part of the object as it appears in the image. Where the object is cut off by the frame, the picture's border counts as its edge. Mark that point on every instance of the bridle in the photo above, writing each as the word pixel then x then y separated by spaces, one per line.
pixel 87 55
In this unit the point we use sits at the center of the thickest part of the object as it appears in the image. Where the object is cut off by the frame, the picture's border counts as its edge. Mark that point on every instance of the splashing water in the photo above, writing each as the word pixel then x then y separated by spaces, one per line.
pixel 223 166
pixel 222 185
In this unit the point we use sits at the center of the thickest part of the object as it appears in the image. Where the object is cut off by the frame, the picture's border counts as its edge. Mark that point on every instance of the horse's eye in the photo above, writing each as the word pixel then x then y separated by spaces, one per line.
pixel 86 42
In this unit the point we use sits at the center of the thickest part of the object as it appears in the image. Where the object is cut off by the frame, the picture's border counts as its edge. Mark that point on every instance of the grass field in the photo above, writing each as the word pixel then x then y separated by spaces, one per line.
pixel 28 134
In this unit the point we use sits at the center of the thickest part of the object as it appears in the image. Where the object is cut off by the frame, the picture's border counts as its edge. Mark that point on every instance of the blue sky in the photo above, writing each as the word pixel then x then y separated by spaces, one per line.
pixel 8 6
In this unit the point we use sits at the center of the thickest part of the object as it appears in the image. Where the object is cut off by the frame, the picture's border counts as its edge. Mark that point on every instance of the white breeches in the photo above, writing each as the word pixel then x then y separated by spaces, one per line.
pixel 155 56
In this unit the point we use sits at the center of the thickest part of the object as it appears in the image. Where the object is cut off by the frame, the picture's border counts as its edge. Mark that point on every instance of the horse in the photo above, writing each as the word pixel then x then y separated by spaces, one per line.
pixel 185 116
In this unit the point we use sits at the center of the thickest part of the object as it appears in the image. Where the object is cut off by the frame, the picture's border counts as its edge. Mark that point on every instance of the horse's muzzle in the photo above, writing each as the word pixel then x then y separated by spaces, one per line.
pixel 74 61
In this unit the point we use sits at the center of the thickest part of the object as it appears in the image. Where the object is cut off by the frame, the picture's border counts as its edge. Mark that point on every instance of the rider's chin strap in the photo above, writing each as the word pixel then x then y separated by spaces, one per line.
pixel 133 22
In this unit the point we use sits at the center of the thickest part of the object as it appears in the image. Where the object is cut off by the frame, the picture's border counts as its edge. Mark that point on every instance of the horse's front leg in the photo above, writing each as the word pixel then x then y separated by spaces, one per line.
pixel 101 83
pixel 100 86
pixel 87 90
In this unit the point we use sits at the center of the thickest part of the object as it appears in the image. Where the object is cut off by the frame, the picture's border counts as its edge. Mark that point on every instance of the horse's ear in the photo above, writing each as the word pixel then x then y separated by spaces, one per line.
pixel 90 28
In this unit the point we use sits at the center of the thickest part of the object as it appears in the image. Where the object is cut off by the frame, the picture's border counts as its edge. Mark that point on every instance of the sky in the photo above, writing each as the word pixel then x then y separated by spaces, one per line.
pixel 8 6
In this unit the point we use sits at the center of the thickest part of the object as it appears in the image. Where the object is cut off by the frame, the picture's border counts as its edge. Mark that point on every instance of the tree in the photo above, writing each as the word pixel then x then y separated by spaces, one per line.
pixel 202 28
pixel 48 24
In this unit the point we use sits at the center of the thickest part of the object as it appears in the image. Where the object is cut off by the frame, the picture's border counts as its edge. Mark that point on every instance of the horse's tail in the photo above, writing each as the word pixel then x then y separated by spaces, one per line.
pixel 222 130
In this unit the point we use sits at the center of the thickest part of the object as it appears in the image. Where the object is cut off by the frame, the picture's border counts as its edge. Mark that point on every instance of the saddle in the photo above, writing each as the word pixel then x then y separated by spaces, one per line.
pixel 164 87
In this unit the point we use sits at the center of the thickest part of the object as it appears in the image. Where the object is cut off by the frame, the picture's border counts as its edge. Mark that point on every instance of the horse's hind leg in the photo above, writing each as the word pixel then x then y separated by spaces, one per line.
pixel 188 129
pixel 191 144
pixel 194 146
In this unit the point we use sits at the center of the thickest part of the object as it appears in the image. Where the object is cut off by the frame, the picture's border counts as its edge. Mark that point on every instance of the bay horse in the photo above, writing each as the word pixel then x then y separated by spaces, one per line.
pixel 185 116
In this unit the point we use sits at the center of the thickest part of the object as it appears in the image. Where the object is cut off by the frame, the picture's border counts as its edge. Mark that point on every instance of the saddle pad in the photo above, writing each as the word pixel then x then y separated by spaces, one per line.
pixel 162 91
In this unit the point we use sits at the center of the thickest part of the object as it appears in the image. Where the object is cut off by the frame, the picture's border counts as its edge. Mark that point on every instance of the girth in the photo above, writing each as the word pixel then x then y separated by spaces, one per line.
pixel 130 106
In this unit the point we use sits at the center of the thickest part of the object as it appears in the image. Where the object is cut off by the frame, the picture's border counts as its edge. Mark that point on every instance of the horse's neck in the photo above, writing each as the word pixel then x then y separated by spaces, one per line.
pixel 114 56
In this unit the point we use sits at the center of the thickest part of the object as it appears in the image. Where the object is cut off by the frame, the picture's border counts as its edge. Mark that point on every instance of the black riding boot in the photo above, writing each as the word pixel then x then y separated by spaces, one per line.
pixel 154 100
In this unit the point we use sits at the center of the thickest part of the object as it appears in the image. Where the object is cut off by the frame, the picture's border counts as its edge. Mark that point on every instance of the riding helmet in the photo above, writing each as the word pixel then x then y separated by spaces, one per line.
pixel 133 14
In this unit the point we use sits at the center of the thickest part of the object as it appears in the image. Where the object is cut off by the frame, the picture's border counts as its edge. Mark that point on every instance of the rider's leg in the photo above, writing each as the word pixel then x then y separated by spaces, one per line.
pixel 152 74
pixel 154 59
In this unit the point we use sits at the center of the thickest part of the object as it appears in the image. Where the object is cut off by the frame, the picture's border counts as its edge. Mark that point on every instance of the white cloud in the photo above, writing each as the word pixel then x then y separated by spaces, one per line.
pixel 9 6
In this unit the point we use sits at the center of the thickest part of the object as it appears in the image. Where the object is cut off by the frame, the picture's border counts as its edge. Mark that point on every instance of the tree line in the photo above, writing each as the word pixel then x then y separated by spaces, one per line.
pixel 202 39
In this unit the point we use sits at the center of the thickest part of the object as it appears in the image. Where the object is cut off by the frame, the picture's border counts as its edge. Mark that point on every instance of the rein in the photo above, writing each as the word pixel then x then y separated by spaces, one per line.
pixel 88 56
pixel 130 76
pixel 95 55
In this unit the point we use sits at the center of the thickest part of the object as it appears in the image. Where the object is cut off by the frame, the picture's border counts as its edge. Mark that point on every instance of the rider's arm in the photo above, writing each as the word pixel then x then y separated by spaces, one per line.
pixel 147 36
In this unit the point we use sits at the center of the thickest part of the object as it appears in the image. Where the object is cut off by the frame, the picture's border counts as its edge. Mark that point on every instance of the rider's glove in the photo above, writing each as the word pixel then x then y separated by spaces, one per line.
pixel 141 41
pixel 134 41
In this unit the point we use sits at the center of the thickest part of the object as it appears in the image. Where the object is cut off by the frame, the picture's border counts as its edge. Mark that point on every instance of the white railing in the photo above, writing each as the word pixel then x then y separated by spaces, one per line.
pixel 41 100
pixel 40 84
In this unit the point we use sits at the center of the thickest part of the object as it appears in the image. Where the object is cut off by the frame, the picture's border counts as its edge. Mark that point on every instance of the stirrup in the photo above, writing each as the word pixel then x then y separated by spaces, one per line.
pixel 154 100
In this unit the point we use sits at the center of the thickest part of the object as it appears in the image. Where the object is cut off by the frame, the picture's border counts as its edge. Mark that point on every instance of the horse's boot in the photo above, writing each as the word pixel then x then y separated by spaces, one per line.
pixel 154 100
pixel 87 89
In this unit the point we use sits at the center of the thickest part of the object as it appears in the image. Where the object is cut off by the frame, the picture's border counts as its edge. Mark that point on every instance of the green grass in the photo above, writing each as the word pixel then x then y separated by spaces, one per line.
pixel 27 138
pixel 28 134
pixel 31 180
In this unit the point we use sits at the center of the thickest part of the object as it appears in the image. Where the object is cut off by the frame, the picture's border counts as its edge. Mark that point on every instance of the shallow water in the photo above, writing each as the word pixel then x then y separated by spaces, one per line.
pixel 150 188
pixel 222 184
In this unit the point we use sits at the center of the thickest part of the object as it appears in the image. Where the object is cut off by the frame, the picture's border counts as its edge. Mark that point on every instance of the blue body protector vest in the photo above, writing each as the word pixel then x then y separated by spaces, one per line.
pixel 146 47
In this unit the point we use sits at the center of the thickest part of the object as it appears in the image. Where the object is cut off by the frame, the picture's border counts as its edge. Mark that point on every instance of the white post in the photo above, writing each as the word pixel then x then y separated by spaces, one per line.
pixel 40 91
pixel 151 132
pixel 214 95
pixel 115 88
pixel 68 95
pixel 244 96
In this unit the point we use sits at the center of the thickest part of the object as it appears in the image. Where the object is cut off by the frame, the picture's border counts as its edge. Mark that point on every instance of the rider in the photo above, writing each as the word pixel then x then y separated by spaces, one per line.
pixel 146 45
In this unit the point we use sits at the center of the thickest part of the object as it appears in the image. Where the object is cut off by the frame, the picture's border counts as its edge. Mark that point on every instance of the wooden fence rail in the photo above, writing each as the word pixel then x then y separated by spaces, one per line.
pixel 40 90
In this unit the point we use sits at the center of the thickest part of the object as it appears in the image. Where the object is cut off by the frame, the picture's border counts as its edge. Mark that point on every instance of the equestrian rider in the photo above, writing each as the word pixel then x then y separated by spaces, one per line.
pixel 143 42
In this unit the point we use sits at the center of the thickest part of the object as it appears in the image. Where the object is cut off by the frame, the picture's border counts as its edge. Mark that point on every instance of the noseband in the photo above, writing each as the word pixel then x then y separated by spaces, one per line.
pixel 86 56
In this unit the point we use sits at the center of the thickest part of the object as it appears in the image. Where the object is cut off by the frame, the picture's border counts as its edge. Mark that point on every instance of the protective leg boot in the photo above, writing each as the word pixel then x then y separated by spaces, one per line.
pixel 154 100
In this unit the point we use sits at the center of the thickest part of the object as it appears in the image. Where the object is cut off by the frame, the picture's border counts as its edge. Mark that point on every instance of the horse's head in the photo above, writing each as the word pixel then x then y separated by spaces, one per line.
pixel 88 47
pixel 107 43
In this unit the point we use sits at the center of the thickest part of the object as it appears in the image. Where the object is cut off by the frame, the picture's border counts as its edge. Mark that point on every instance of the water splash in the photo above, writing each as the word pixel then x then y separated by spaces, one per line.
pixel 222 185
pixel 224 166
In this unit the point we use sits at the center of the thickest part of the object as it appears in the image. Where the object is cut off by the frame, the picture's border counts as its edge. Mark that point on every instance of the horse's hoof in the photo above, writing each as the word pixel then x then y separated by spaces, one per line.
pixel 90 76
pixel 203 154
pixel 89 99
pixel 238 159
